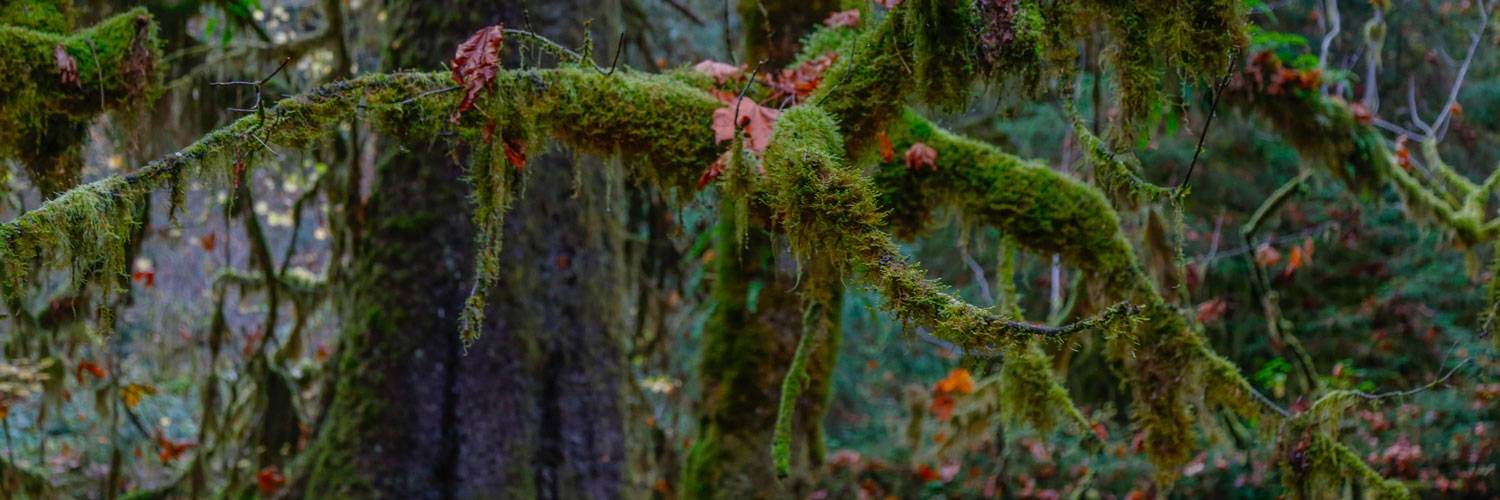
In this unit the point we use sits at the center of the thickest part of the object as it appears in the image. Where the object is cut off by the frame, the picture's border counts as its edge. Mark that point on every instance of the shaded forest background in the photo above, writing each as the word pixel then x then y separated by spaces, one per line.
pixel 605 352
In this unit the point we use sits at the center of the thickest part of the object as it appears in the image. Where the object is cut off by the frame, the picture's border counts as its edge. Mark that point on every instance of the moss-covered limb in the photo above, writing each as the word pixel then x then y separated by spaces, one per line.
pixel 1039 208
pixel 90 225
pixel 47 106
pixel 922 46
pixel 828 209
pixel 54 16
pixel 1117 174
pixel 1327 131
pixel 301 287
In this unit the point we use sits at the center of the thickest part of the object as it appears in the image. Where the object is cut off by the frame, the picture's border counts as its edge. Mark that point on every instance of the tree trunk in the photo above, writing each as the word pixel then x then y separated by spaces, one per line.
pixel 748 345
pixel 534 408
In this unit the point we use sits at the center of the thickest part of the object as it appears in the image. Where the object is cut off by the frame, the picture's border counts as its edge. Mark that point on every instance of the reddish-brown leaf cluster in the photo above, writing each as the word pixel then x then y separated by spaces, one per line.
pixel 921 155
pixel 1403 155
pixel 1362 114
pixel 800 82
pixel 714 170
pixel 1268 74
pixel 759 122
pixel 269 480
pixel 475 64
pixel 1267 255
pixel 958 381
pixel 91 368
pixel 515 151
pixel 1212 310
pixel 887 151
pixel 65 65
pixel 146 278
pixel 842 19
pixel 170 451
pixel 720 72
pixel 1299 257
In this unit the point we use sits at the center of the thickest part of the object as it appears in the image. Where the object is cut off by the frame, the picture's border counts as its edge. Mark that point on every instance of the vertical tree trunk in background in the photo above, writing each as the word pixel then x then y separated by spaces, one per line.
pixel 748 345
pixel 534 408
pixel 751 337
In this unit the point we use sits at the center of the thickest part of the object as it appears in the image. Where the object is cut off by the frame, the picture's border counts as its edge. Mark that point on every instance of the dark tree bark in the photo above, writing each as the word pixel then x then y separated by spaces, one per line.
pixel 533 409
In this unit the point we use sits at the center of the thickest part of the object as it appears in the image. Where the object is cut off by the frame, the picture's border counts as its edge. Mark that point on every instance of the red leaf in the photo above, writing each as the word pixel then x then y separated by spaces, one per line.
pixel 714 170
pixel 91 368
pixel 148 277
pixel 926 473
pixel 1099 431
pixel 842 19
pixel 720 71
pixel 269 480
pixel 475 63
pixel 515 151
pixel 1403 155
pixel 800 81
pixel 65 64
pixel 887 151
pixel 1362 114
pixel 1266 255
pixel 170 450
pixel 209 242
pixel 919 155
pixel 1211 310
pixel 758 123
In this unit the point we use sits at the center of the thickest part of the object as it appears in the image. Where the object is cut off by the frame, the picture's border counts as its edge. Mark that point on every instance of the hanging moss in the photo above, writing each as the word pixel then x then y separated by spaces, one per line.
pixel 491 179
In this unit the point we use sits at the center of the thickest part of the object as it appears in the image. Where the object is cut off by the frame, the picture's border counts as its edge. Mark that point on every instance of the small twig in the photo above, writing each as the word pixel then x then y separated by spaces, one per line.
pixel 748 82
pixel 1269 403
pixel 616 62
pixel 1439 126
pixel 1213 109
pixel 692 16
pixel 1415 390
pixel 443 90
pixel 98 70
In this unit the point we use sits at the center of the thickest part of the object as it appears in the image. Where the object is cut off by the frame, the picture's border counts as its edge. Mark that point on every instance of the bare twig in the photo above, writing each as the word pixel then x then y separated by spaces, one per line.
pixel 1415 390
pixel 1439 126
pixel 692 16
pixel 443 90
pixel 1213 109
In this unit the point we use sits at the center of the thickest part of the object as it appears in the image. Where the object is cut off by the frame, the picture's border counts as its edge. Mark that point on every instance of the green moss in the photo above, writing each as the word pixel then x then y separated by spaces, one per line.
pixel 55 16
pixel 1315 466
pixel 43 119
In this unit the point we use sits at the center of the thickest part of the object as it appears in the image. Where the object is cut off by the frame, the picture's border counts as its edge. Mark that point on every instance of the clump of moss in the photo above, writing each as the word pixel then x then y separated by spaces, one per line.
pixel 1314 465
pixel 45 113
pixel 54 16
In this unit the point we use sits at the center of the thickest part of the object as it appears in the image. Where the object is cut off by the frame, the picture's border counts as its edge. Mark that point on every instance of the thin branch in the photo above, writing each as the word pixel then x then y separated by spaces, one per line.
pixel 1213 109
pixel 1463 71
pixel 692 16
pixel 1415 390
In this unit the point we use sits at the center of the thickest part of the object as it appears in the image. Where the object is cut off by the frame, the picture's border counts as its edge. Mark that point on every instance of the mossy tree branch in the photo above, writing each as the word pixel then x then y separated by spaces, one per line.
pixel 825 204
